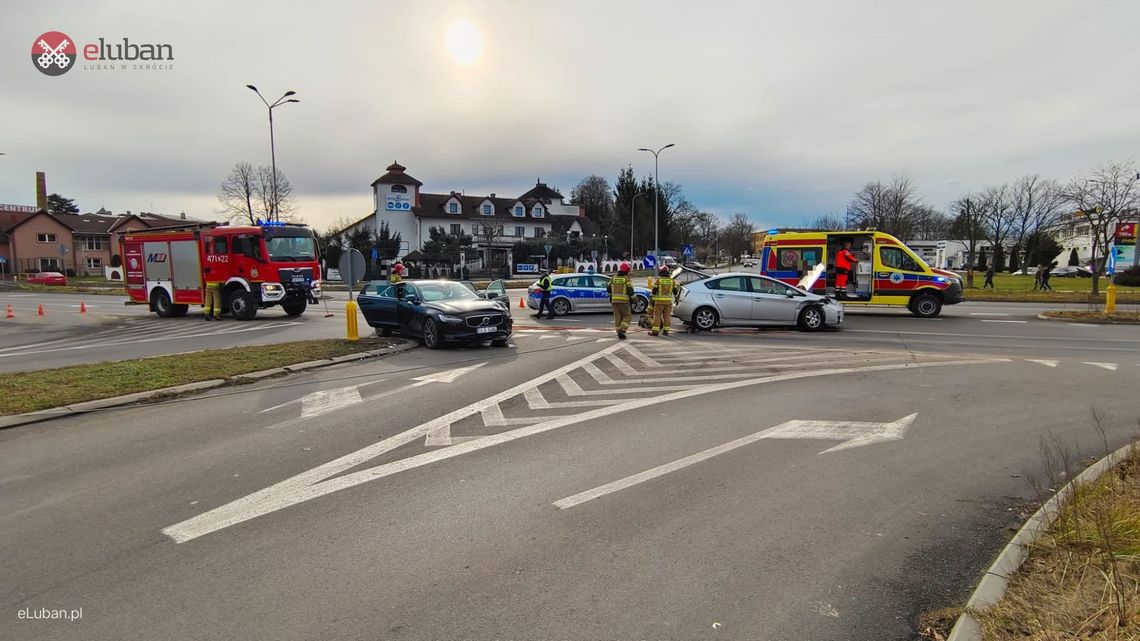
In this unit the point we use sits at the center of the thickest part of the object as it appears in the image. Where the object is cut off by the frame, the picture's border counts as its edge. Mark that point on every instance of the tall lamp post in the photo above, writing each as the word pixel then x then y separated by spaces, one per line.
pixel 656 197
pixel 632 206
pixel 275 214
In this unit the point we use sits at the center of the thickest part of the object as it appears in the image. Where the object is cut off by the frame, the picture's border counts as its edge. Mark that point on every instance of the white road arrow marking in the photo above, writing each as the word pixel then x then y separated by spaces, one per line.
pixel 1108 366
pixel 334 476
pixel 327 401
pixel 853 435
pixel 448 376
pixel 1046 363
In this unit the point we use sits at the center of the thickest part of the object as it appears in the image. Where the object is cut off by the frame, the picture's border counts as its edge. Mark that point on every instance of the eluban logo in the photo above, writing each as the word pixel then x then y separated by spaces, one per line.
pixel 53 53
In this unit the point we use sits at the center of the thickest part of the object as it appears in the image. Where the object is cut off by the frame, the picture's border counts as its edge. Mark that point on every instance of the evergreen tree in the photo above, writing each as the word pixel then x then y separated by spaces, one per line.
pixel 60 206
pixel 999 259
pixel 1074 260
pixel 982 260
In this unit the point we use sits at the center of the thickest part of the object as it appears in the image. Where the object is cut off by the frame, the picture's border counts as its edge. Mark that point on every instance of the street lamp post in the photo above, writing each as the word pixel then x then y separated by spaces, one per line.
pixel 275 214
pixel 656 197
pixel 632 206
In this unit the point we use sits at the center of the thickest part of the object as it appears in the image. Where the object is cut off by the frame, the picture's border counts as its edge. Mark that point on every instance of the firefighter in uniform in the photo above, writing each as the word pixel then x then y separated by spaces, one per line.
pixel 663 291
pixel 397 274
pixel 621 297
pixel 845 260
pixel 213 303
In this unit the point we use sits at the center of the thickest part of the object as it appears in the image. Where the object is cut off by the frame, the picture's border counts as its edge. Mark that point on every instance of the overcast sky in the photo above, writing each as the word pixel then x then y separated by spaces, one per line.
pixel 778 109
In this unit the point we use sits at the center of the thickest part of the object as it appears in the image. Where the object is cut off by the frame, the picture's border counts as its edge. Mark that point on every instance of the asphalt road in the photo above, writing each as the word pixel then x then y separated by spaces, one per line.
pixel 736 485
pixel 111 330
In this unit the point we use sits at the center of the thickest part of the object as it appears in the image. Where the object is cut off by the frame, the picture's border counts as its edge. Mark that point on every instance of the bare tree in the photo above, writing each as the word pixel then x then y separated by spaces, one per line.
pixel 1103 198
pixel 285 208
pixel 968 226
pixel 825 221
pixel 997 216
pixel 736 236
pixel 1037 208
pixel 237 193
pixel 488 232
pixel 894 207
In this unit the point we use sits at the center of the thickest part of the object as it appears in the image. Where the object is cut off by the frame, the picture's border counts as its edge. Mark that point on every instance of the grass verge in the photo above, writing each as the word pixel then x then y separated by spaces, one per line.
pixel 1082 577
pixel 1124 318
pixel 44 389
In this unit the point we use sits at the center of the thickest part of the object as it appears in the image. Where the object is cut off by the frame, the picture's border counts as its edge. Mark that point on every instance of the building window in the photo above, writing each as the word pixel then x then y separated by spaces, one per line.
pixel 488 210
pixel 453 208
pixel 45 238
pixel 50 265
pixel 539 232
pixel 93 243
pixel 94 263
pixel 474 230
pixel 520 231
pixel 399 189
pixel 537 212
pixel 520 212
pixel 456 229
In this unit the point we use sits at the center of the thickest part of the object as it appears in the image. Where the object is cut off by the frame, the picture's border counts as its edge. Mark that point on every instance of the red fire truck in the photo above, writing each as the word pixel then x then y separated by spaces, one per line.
pixel 257 266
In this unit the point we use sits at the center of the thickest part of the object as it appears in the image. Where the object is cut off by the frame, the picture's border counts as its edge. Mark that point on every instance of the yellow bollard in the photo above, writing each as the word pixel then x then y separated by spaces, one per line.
pixel 1110 299
pixel 350 318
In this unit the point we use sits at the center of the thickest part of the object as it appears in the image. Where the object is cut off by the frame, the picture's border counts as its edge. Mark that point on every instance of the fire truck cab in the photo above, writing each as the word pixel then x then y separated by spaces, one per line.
pixel 257 266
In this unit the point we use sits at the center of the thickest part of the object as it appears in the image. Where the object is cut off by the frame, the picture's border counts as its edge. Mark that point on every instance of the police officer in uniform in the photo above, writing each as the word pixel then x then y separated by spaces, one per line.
pixel 544 303
pixel 621 297
pixel 663 291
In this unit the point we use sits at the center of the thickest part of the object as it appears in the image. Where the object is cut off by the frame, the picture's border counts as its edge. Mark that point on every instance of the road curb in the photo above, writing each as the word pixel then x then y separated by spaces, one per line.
pixel 17 420
pixel 996 579
pixel 1083 321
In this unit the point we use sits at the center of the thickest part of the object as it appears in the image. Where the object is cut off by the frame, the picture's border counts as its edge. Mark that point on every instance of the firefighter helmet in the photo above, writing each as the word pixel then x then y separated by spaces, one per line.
pixel 623 268
pixel 664 270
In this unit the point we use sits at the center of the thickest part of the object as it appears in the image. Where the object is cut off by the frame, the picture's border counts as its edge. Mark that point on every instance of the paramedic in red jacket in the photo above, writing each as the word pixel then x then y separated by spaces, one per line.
pixel 845 262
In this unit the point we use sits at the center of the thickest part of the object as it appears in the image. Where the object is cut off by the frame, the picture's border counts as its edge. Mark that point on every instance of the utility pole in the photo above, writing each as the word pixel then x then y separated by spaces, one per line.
pixel 656 199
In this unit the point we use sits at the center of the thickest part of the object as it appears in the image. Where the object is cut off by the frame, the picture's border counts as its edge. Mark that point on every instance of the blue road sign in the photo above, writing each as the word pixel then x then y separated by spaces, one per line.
pixel 649 262
pixel 687 250
pixel 375 254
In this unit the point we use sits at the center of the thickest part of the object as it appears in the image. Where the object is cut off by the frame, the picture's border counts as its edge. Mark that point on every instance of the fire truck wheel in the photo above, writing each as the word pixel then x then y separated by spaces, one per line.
pixel 242 305
pixel 160 302
pixel 294 308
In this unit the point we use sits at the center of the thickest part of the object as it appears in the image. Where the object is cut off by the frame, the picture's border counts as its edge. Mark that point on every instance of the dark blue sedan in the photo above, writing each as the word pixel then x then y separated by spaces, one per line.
pixel 437 312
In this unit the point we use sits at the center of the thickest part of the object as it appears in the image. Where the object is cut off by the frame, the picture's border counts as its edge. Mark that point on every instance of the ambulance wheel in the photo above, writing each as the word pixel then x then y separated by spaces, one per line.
pixel 242 305
pixel 160 302
pixel 560 307
pixel 179 310
pixel 925 306
pixel 811 318
pixel 295 308
pixel 640 304
pixel 705 318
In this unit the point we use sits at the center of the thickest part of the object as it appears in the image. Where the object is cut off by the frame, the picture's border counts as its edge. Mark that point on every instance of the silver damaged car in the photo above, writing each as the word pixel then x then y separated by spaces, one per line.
pixel 750 300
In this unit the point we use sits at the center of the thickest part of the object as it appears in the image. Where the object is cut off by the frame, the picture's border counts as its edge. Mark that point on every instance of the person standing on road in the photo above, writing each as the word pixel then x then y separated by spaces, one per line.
pixel 621 297
pixel 845 260
pixel 1037 278
pixel 663 291
pixel 213 303
pixel 544 301
pixel 989 277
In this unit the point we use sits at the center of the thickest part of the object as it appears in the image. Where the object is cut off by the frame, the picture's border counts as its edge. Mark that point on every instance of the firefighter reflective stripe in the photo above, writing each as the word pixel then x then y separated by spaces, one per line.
pixel 619 289
pixel 663 289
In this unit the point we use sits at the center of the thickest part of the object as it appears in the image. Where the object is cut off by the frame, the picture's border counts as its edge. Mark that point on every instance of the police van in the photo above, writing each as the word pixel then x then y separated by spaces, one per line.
pixel 887 272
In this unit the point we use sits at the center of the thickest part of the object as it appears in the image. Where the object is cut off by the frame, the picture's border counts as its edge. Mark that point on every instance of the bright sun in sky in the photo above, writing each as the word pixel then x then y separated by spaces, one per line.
pixel 464 42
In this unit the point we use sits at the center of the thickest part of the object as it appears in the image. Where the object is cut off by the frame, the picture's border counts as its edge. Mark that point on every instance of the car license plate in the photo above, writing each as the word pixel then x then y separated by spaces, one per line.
pixel 298 278
pixel 486 330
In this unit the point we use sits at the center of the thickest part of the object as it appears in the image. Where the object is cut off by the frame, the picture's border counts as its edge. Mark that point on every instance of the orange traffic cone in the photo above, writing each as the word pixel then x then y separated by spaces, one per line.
pixel 82 307
pixel 40 311
pixel 11 314
pixel 522 303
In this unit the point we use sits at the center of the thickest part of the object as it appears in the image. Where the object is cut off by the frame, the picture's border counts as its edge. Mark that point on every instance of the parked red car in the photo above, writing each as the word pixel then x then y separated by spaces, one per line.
pixel 47 278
